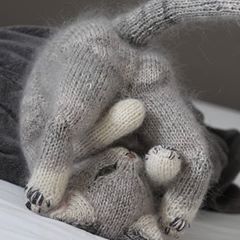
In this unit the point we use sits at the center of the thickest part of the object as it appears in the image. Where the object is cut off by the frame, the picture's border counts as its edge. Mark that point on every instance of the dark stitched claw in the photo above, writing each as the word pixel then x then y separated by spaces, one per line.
pixel 179 224
pixel 36 197
pixel 29 193
pixel 174 222
pixel 48 203
pixel 40 200
pixel 28 205
pixel 167 230
pixel 36 194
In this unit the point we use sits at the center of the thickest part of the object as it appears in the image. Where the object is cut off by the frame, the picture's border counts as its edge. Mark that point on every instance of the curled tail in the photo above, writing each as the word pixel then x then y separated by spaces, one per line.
pixel 143 23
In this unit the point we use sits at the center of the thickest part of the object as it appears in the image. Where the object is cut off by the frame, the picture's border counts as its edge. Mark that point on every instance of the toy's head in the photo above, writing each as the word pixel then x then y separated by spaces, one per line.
pixel 114 183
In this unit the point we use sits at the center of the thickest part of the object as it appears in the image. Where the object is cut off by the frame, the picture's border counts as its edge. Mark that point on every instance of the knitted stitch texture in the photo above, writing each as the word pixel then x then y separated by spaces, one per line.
pixel 89 65
pixel 110 196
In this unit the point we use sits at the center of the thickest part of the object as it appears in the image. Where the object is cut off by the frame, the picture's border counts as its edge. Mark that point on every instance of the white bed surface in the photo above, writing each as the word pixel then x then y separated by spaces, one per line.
pixel 18 223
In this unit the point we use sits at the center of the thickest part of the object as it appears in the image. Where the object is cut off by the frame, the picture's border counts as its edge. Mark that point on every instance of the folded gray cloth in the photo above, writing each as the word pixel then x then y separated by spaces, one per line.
pixel 224 196
pixel 17 48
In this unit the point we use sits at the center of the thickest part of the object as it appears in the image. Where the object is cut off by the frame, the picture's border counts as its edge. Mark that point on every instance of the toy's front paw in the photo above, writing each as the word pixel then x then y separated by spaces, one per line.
pixel 39 200
pixel 162 164
pixel 45 190
pixel 175 219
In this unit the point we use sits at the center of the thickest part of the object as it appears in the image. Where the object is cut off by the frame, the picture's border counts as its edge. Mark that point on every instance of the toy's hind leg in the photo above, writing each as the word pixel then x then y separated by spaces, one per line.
pixel 171 122
pixel 81 96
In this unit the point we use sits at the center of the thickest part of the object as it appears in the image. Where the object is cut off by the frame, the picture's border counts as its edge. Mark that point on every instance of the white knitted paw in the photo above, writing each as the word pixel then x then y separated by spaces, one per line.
pixel 162 164
pixel 43 192
pixel 175 217
pixel 76 211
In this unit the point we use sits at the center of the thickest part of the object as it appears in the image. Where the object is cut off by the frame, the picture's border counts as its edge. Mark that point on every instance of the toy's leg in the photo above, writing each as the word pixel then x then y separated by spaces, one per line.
pixel 123 118
pixel 32 120
pixel 170 122
pixel 75 210
pixel 146 228
pixel 82 94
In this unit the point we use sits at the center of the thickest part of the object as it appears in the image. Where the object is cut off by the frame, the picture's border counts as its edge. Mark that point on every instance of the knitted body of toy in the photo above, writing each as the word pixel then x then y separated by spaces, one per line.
pixel 110 195
pixel 89 65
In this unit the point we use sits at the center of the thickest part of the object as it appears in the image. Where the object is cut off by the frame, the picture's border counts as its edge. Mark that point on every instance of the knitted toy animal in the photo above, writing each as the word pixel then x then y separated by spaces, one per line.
pixel 86 67
pixel 110 195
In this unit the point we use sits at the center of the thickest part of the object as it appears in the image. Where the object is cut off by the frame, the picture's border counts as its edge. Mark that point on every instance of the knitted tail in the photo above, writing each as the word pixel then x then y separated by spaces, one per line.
pixel 140 25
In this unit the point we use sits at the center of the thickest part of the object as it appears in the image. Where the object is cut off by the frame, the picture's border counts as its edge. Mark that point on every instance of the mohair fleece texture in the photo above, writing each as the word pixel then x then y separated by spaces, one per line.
pixel 91 26
pixel 86 67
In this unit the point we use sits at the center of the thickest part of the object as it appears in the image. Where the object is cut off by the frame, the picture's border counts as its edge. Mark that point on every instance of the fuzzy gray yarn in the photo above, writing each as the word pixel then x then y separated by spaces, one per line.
pixel 86 67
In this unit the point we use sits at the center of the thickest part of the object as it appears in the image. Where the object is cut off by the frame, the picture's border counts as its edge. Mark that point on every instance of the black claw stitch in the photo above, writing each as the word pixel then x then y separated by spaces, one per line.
pixel 36 197
pixel 48 203
pixel 167 230
pixel 40 201
pixel 28 205
pixel 181 226
pixel 33 198
pixel 29 193
pixel 174 222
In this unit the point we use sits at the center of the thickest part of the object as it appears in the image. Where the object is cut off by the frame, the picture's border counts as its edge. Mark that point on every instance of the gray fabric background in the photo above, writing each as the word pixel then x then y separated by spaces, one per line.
pixel 209 56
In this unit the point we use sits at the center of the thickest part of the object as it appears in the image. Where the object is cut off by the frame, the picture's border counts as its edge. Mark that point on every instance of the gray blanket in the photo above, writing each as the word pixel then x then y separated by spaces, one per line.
pixel 18 46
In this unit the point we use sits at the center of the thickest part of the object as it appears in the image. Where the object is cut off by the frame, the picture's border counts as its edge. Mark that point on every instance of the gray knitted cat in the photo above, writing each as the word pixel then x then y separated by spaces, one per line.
pixel 110 195
pixel 86 67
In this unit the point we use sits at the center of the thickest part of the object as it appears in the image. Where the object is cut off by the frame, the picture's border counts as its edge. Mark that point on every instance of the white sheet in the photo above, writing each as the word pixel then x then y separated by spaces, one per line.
pixel 17 223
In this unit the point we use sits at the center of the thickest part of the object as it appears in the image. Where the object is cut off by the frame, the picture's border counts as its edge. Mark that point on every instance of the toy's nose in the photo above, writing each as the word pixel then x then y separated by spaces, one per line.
pixel 131 155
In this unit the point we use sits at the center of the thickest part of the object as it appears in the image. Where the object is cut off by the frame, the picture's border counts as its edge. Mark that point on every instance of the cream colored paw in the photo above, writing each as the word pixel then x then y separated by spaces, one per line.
pixel 123 118
pixel 162 165
pixel 175 216
pixel 45 190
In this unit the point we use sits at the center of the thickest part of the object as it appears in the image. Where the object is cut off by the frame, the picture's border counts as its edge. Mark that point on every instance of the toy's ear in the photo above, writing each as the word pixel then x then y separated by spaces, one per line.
pixel 225 196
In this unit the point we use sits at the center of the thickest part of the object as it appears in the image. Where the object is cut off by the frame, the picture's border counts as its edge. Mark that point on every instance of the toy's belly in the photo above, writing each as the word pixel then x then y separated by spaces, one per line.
pixel 119 204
